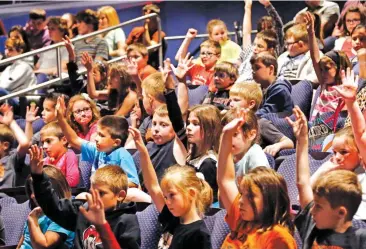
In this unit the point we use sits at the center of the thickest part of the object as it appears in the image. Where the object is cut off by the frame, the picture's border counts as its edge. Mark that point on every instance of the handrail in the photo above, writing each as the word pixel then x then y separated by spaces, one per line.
pixel 181 37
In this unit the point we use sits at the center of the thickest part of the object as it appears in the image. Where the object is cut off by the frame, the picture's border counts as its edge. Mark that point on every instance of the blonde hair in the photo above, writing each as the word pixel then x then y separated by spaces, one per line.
pixel 184 178
pixel 229 68
pixel 248 90
pixel 211 44
pixel 298 32
pixel 112 176
pixel 6 135
pixel 154 85
pixel 17 44
pixel 70 116
pixel 215 22
pixel 52 129
pixel 162 111
pixel 347 133
pixel 152 7
pixel 110 13
pixel 139 48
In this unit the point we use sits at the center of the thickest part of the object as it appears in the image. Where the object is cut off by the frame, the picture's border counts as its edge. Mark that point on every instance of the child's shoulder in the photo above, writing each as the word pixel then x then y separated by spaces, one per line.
pixel 279 237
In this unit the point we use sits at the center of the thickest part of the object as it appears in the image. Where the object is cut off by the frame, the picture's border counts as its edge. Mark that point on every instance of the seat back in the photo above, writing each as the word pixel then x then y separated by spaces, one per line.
pixel 85 173
pixel 218 229
pixel 271 161
pixel 149 227
pixel 302 94
pixel 281 124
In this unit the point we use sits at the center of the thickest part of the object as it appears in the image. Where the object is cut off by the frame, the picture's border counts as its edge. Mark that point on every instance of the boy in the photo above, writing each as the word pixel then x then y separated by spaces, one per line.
pixel 249 95
pixel 277 97
pixel 12 167
pixel 137 53
pixel 54 144
pixel 36 29
pixel 330 204
pixel 111 183
pixel 108 147
pixel 296 62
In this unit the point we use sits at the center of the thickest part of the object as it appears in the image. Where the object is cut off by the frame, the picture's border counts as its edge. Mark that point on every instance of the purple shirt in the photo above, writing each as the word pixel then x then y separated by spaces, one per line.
pixel 40 40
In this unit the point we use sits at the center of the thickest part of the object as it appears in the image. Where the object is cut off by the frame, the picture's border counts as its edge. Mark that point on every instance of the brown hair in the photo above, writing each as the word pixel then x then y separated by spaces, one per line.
pixel 276 202
pixel 154 85
pixel 117 127
pixel 111 175
pixel 139 48
pixel 339 59
pixel 17 44
pixel 52 129
pixel 211 44
pixel 215 22
pixel 209 118
pixel 353 9
pixel 229 68
pixel 152 7
pixel 35 14
pixel 62 26
pixel 248 90
pixel 298 32
pixel 340 188
pixel 6 135
pixel 265 21
pixel 183 178
pixel 266 58
pixel 269 37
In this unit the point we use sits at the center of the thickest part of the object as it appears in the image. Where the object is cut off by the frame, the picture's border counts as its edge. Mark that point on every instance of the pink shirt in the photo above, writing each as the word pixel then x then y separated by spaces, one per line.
pixel 326 102
pixel 92 130
pixel 68 163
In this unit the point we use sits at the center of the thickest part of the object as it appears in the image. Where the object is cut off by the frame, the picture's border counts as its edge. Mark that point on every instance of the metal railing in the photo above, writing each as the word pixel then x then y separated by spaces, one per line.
pixel 58 54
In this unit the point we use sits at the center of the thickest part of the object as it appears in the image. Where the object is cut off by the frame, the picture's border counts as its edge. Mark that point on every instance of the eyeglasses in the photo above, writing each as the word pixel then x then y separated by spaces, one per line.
pixel 208 54
pixel 353 20
pixel 220 75
pixel 287 44
pixel 80 111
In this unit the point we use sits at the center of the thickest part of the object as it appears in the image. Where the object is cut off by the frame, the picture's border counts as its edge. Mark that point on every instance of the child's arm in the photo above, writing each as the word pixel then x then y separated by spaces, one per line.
pixel 74 140
pixel 30 117
pixel 300 128
pixel 8 119
pixel 183 49
pixel 148 171
pixel 247 24
pixel 226 170
pixel 127 104
pixel 284 143
pixel 361 56
pixel 20 243
pixel 132 70
pixel 76 82
pixel 313 46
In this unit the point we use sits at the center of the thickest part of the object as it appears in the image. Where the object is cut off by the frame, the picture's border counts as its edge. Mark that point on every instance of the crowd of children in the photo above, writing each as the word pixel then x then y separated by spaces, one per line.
pixel 191 137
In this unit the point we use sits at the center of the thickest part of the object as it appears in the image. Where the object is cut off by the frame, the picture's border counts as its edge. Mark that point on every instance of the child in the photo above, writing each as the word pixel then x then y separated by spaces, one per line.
pixel 109 141
pixel 358 36
pixel 330 204
pixel 258 208
pixel 82 115
pixel 54 144
pixel 247 154
pixel 328 69
pixel 36 28
pixel 12 168
pixel 277 97
pixel 249 95
pixel 119 81
pixel 111 183
pixel 181 200
pixel 40 231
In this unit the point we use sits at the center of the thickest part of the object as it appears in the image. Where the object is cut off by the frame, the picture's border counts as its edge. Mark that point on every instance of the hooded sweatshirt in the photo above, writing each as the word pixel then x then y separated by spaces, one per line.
pixel 65 213
pixel 277 98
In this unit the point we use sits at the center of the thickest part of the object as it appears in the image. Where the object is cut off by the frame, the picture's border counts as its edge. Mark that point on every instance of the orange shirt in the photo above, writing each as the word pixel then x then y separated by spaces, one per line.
pixel 200 76
pixel 277 237
pixel 146 71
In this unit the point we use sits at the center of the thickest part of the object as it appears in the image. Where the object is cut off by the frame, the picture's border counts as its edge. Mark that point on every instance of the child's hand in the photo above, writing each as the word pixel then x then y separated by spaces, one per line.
pixel 348 89
pixel 132 68
pixel 248 3
pixel 95 213
pixel 32 110
pixel 183 67
pixel 70 48
pixel 8 115
pixel 272 149
pixel 300 126
pixel 35 214
pixel 166 69
pixel 309 20
pixel 87 61
pixel 36 159
pixel 60 107
pixel 136 135
pixel 236 123
pixel 191 33
pixel 265 3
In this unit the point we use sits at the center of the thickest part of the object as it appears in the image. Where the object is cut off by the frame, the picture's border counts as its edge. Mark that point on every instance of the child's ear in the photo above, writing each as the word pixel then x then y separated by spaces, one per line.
pixel 192 192
pixel 271 69
pixel 251 104
pixel 5 145
pixel 342 212
pixel 252 134
pixel 121 195
pixel 64 141
pixel 117 142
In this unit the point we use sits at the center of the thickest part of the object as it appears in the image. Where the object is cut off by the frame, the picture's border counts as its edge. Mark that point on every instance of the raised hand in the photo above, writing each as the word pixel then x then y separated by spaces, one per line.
pixel 132 68
pixel 166 69
pixel 87 61
pixel 136 135
pixel 236 123
pixel 70 48
pixel 348 89
pixel 8 115
pixel 300 125
pixel 95 213
pixel 265 3
pixel 191 33
pixel 36 159
pixel 183 67
pixel 309 20
pixel 35 214
pixel 248 3
pixel 32 110
pixel 60 107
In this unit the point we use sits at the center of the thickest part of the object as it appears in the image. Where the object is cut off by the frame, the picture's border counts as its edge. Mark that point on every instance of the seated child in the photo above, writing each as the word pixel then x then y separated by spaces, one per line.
pixel 328 205
pixel 277 97
pixel 13 171
pixel 54 144
pixel 249 95
pixel 111 182
pixel 257 205
pixel 109 141
pixel 40 231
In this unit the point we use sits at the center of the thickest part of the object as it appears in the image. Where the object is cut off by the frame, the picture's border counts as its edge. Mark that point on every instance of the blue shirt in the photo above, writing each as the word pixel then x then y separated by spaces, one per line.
pixel 118 156
pixel 45 225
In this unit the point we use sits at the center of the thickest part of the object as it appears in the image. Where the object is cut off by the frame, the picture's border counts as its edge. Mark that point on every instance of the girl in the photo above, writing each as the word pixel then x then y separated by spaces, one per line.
pixel 40 231
pixel 120 92
pixel 328 70
pixel 17 32
pixel 181 200
pixel 258 208
pixel 82 115
pixel 115 38
pixel 247 154
pixel 358 36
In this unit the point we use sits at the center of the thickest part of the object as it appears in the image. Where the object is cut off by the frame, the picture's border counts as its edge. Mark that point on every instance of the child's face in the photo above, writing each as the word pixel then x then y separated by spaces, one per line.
pixel 83 28
pixel 209 56
pixel 103 140
pixel 55 33
pixel 82 112
pixel 219 33
pixel 352 20
pixel 222 80
pixel 103 21
pixel 259 45
pixel 146 101
pixel 238 102
pixel 114 81
pixel 49 111
pixel 53 146
pixel 240 144
pixel 175 201
pixel 345 155
pixel 359 39
pixel 194 129
pixel 293 47
pixel 97 75
pixel 261 73
pixel 109 199
pixel 138 58
pixel 246 209
pixel 162 130
pixel 325 217
pixel 328 72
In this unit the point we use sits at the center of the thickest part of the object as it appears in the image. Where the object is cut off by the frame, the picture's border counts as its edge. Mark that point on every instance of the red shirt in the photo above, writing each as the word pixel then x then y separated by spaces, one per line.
pixel 200 76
